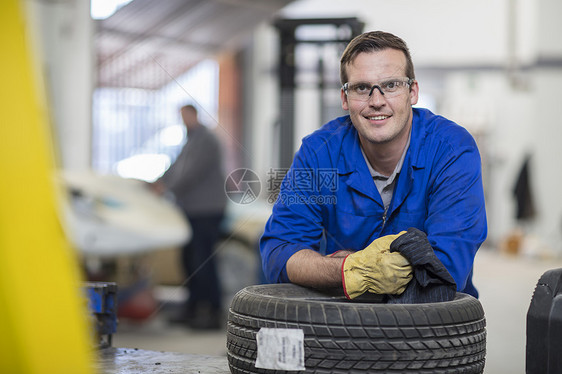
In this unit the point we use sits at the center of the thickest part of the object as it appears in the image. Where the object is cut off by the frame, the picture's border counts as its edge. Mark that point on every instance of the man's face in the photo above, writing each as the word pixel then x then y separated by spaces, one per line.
pixel 380 119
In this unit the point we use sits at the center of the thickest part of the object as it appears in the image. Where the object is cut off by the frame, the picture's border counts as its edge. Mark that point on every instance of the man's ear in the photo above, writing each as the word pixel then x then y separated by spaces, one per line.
pixel 344 102
pixel 414 91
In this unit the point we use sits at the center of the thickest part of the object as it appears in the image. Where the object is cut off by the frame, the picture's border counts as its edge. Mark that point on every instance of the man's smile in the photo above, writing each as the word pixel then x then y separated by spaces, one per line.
pixel 377 118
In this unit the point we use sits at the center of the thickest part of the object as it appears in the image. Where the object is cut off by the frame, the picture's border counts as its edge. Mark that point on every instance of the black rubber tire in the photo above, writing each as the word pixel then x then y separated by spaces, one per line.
pixel 342 336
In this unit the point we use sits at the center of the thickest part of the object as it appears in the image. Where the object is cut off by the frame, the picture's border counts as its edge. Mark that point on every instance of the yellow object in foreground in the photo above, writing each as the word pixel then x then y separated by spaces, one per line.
pixel 43 327
pixel 376 270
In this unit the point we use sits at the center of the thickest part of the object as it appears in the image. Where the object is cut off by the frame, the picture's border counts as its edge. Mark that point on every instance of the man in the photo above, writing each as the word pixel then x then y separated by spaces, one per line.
pixel 395 168
pixel 197 181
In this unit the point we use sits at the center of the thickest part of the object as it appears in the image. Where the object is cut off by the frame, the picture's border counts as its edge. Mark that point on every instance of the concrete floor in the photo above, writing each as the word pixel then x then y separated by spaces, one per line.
pixel 506 284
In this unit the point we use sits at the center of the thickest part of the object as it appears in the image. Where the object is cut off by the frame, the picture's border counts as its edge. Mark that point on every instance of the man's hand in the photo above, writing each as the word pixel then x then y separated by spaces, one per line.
pixel 376 269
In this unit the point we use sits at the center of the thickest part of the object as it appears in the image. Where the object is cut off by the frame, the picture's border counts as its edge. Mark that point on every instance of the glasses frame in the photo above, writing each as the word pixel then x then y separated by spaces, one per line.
pixel 405 81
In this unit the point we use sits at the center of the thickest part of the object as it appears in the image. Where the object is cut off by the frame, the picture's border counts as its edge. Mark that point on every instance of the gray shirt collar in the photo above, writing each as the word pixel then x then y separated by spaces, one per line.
pixel 390 179
pixel 384 184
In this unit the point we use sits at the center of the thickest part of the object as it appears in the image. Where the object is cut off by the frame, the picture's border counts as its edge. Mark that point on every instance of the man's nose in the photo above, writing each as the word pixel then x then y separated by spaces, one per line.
pixel 376 96
pixel 373 89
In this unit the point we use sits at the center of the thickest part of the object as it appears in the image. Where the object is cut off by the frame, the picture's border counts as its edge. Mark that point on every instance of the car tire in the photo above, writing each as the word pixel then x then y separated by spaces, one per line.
pixel 342 336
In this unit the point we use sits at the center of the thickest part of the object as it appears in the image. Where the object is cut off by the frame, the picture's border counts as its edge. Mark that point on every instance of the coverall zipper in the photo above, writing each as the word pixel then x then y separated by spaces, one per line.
pixel 384 219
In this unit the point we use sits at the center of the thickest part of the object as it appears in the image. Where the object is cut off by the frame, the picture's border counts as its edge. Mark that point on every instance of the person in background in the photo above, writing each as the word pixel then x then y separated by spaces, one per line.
pixel 196 180
pixel 385 191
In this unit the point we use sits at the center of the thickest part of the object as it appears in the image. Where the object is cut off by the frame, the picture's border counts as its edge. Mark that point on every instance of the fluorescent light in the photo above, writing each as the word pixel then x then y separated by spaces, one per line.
pixel 102 9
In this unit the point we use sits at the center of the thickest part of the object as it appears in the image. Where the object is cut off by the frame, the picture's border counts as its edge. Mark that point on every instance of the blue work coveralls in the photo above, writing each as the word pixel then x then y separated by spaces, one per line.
pixel 329 202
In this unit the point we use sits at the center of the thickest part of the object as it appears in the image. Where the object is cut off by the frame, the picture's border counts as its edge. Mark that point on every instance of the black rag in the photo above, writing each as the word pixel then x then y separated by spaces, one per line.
pixel 431 281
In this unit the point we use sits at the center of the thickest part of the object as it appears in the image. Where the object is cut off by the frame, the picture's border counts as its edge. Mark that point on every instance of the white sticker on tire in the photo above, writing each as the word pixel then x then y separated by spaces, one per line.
pixel 281 349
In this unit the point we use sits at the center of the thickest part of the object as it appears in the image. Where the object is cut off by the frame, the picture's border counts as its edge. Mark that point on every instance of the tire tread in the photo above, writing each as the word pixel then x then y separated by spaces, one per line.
pixel 345 337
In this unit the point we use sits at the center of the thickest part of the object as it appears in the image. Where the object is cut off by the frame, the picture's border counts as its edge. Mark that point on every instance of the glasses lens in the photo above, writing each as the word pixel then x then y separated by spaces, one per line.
pixel 391 86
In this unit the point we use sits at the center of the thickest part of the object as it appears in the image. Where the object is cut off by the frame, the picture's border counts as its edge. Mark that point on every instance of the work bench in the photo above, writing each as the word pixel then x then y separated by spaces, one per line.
pixel 113 360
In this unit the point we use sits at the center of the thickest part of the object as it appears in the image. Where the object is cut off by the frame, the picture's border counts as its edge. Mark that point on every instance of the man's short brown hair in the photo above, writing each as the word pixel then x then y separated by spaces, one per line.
pixel 370 42
pixel 189 107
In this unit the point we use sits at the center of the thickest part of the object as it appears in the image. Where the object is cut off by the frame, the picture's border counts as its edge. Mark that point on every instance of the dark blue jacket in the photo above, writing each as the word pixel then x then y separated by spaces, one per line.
pixel 328 200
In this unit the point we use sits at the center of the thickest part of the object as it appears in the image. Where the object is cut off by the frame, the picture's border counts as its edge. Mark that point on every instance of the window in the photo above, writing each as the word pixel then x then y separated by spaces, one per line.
pixel 138 133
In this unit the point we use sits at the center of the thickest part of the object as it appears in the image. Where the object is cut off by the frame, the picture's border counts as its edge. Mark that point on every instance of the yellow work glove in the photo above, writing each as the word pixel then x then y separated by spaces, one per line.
pixel 376 269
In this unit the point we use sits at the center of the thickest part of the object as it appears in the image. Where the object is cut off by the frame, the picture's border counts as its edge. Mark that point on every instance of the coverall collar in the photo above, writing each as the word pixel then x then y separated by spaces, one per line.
pixel 351 162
